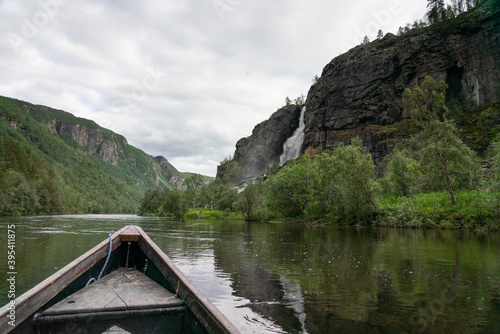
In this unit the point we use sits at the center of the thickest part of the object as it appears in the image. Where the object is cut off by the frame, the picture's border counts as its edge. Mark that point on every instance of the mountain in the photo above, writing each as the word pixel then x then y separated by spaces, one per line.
pixel 263 148
pixel 359 92
pixel 53 162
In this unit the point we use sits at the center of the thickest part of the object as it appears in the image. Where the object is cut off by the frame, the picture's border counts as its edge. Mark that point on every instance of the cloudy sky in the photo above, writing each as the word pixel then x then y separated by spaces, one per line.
pixel 184 79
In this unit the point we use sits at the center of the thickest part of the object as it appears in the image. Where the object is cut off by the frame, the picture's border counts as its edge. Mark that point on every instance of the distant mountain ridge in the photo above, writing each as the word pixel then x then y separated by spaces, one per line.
pixel 86 159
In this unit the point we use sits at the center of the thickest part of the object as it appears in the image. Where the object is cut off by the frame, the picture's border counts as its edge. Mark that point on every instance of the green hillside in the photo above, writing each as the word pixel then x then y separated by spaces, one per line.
pixel 52 162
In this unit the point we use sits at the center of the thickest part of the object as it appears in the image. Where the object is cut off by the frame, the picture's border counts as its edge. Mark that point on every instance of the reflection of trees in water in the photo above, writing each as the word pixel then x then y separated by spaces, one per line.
pixel 252 281
pixel 302 296
pixel 321 280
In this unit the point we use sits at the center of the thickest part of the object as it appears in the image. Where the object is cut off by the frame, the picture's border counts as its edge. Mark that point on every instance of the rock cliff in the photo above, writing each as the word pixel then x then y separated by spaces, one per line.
pixel 359 92
pixel 85 137
pixel 262 148
pixel 90 138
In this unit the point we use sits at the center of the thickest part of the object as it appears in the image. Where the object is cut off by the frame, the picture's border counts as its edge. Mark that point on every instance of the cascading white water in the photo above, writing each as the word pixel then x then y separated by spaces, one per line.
pixel 293 145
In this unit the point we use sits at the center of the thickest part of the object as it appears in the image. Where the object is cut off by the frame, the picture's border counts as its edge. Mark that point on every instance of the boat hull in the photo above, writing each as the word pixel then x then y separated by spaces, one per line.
pixel 131 248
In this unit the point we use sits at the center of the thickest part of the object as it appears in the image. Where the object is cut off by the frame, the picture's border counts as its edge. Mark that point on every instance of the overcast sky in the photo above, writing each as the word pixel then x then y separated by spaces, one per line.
pixel 184 79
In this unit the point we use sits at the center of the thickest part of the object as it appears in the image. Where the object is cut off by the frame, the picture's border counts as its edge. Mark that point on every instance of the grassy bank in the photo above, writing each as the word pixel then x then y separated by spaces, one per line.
pixel 475 210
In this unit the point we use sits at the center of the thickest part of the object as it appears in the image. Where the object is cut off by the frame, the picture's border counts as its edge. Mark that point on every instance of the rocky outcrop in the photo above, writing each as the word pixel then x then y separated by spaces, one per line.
pixel 143 170
pixel 111 150
pixel 262 148
pixel 92 141
pixel 359 92
pixel 165 169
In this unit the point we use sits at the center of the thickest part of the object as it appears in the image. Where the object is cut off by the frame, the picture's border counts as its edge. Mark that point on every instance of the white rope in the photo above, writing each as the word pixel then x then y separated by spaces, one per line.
pixel 105 263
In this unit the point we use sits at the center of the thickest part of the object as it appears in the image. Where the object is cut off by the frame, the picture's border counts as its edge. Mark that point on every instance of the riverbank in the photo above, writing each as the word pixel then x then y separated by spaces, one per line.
pixel 474 211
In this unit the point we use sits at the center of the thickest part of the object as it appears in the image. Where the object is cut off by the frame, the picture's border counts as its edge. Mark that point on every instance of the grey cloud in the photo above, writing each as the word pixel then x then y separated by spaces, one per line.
pixel 217 75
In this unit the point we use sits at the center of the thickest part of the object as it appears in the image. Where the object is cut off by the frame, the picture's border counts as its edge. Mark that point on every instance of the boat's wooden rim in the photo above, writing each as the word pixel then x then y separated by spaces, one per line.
pixel 184 288
pixel 35 298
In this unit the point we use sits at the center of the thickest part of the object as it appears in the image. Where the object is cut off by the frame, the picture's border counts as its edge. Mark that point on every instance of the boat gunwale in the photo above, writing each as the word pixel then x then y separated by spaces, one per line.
pixel 185 289
pixel 35 298
pixel 27 304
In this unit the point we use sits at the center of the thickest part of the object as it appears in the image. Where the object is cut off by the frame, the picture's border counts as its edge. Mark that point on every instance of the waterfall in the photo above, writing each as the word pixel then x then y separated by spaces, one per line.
pixel 293 145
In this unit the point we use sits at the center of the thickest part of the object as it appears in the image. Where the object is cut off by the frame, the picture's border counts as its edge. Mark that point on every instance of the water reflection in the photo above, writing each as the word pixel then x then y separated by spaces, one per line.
pixel 277 278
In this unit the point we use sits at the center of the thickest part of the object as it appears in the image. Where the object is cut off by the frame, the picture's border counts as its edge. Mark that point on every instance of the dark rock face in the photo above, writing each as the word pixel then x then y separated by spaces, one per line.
pixel 359 92
pixel 263 148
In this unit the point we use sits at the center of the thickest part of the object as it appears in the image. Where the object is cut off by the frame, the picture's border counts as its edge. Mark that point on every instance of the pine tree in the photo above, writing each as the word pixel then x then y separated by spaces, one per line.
pixel 436 11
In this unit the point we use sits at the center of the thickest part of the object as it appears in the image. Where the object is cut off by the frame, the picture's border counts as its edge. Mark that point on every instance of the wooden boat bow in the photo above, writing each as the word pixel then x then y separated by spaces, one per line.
pixel 48 292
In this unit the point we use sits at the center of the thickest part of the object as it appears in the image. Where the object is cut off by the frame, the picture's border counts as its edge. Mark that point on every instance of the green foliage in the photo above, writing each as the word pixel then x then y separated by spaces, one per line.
pixel 437 11
pixel 292 192
pixel 475 210
pixel 462 164
pixel 339 184
pixel 197 200
pixel 174 203
pixel 27 185
pixel 402 173
pixel 166 202
pixel 63 176
pixel 204 214
pixel 249 201
pixel 427 103
pixel 300 100
pixel 493 178
pixel 446 162
pixel 193 184
pixel 347 177
pixel 151 203
pixel 223 197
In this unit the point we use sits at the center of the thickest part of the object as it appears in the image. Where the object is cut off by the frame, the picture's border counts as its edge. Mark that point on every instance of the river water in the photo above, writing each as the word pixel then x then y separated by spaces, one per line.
pixel 281 278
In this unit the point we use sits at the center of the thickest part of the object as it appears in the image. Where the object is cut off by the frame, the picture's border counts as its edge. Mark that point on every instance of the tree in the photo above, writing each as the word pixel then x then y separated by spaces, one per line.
pixel 366 40
pixel 443 155
pixel 493 176
pixel 174 203
pixel 347 181
pixel 224 196
pixel 380 34
pixel 459 6
pixel 300 100
pixel 193 183
pixel 151 203
pixel 292 192
pixel 494 170
pixel 16 197
pixel 249 201
pixel 402 173
pixel 436 11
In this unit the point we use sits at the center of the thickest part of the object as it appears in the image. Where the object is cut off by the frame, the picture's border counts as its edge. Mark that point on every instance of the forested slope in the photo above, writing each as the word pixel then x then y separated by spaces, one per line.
pixel 52 162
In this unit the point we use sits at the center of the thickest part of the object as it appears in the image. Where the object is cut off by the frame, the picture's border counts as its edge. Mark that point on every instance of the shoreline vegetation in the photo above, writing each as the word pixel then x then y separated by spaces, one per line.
pixel 475 211
pixel 432 179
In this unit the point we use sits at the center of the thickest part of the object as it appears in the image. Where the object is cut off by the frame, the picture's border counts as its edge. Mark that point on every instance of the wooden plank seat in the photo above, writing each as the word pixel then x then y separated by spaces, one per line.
pixel 122 290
